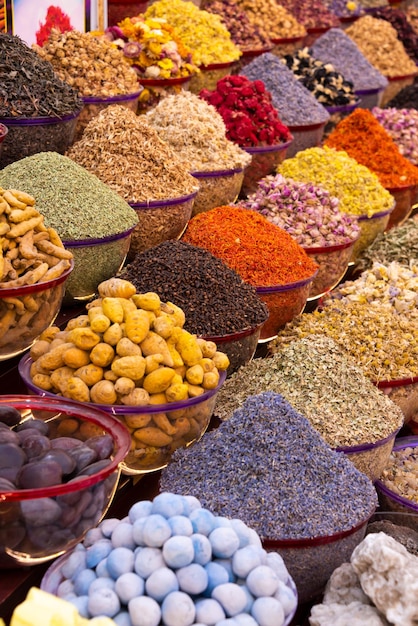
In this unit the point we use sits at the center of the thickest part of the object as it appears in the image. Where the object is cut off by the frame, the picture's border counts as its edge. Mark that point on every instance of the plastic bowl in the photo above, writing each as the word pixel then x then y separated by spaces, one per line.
pixel 287 45
pixel 371 458
pixel 160 220
pixel 310 562
pixel 307 136
pixel 392 506
pixel 240 346
pixel 284 302
pixel 404 201
pixel 34 308
pixel 209 75
pixel 28 136
pixel 155 89
pixel 333 263
pixel 194 413
pixel 95 260
pixel 404 393
pixel 396 84
pixel 93 106
pixel 53 577
pixel 217 188
pixel 39 524
pixel 265 160
pixel 370 228
pixel 370 97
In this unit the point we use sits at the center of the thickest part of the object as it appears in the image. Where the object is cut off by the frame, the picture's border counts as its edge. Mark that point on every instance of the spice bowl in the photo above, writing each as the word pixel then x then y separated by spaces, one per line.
pixel 26 311
pixel 265 160
pixel 307 136
pixel 240 347
pixel 404 201
pixel 404 393
pixel 46 509
pixel 370 228
pixel 93 106
pixel 287 45
pixel 284 302
pixel 209 76
pixel 160 220
pixel 186 420
pixel 338 113
pixel 371 458
pixel 333 263
pixel 396 84
pixel 370 97
pixel 310 562
pixel 28 136
pixel 394 507
pixel 95 260
pixel 155 89
pixel 117 10
pixel 217 188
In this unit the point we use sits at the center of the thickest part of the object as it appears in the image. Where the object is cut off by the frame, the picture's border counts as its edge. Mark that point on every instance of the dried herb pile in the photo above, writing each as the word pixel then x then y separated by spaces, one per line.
pixel 399 244
pixel 128 155
pixel 29 87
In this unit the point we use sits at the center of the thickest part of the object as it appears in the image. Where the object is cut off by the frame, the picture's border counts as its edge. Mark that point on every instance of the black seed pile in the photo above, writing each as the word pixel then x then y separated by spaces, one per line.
pixel 214 298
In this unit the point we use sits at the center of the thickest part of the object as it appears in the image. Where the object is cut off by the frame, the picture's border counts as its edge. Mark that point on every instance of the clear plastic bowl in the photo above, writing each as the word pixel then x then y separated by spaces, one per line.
pixel 307 136
pixel 265 160
pixel 287 45
pixel 371 458
pixel 370 228
pixel 370 97
pixel 34 308
pixel 404 200
pixel 284 302
pixel 404 393
pixel 155 89
pixel 310 562
pixel 160 220
pixel 240 346
pixel 393 507
pixel 95 260
pixel 53 578
pixel 333 263
pixel 396 84
pixel 28 136
pixel 93 106
pixel 209 75
pixel 188 421
pixel 38 525
pixel 217 188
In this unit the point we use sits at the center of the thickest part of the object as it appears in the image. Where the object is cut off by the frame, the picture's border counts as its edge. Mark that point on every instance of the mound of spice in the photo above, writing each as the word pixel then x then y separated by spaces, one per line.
pixel 214 298
pixel 383 342
pixel 244 34
pixel 357 188
pixel 248 112
pixel 152 48
pixel 366 141
pixel 378 41
pixel 411 13
pixel 197 133
pixel 311 13
pixel 398 244
pixel 29 87
pixel 406 98
pixel 260 252
pixel 71 199
pixel 203 32
pixel 406 33
pixel 328 85
pixel 306 211
pixel 319 379
pixel 402 126
pixel 337 48
pixel 271 453
pixel 128 155
pixel 393 284
pixel 296 105
pixel 90 64
pixel 272 17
